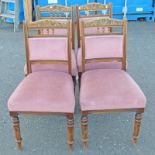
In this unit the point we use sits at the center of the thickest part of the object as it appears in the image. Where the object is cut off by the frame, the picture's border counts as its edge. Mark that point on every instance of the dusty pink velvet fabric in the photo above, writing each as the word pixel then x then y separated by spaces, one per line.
pixel 50 49
pixel 102 47
pixel 44 92
pixel 106 89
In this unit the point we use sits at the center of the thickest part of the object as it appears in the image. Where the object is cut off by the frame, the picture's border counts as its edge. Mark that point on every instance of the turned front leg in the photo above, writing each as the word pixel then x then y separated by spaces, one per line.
pixel 84 127
pixel 138 118
pixel 70 131
pixel 16 127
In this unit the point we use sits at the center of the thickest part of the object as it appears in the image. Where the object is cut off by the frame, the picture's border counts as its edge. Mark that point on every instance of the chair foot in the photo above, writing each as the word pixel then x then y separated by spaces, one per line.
pixel 16 127
pixel 70 147
pixel 137 124
pixel 84 127
pixel 70 131
pixel 85 145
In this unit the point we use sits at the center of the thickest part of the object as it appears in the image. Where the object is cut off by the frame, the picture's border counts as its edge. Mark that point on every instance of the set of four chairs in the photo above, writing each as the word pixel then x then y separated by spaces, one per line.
pixel 52 65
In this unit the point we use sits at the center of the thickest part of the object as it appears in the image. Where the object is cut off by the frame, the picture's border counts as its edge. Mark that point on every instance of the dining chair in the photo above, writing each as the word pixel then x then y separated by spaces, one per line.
pixel 45 92
pixel 91 11
pixel 56 13
pixel 107 90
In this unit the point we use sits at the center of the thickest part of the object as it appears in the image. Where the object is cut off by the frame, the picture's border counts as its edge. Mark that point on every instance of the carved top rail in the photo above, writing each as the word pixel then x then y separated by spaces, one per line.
pixel 55 8
pixel 49 23
pixel 94 7
pixel 103 22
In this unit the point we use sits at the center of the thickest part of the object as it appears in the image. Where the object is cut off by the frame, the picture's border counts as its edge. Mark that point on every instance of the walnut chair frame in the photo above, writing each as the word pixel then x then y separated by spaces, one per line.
pixel 57 12
pixel 39 25
pixel 106 22
pixel 95 7
pixel 54 12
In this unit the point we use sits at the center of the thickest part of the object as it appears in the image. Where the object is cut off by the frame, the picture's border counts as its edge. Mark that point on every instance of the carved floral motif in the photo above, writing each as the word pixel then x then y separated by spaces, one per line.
pixel 103 22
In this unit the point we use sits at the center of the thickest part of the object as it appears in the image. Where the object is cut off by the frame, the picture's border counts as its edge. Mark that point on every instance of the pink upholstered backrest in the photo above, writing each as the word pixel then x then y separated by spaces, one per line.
pixel 104 46
pixel 48 48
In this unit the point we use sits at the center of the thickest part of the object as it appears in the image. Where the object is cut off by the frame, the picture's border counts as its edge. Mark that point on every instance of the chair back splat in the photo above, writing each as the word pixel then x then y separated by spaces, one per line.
pixel 104 46
pixel 54 11
pixel 57 12
pixel 92 11
pixel 46 48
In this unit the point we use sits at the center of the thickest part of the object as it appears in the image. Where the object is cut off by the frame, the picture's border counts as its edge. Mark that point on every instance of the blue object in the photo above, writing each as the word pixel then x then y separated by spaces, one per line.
pixel 21 11
pixel 62 2
pixel 46 2
pixel 140 17
pixel 142 6
pixel 117 7
pixel 76 2
pixel 140 10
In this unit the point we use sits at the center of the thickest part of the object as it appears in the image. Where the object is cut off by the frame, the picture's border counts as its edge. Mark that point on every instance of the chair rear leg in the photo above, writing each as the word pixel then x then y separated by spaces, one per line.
pixel 79 81
pixel 84 128
pixel 74 80
pixel 16 127
pixel 70 131
pixel 137 124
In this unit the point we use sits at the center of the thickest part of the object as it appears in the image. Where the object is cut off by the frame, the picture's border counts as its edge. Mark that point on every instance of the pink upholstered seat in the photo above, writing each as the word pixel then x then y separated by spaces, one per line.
pixel 53 49
pixel 102 47
pixel 109 89
pixel 44 92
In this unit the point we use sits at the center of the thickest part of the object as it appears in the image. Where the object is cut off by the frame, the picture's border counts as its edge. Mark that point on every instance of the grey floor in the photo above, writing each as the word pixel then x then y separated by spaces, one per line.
pixel 109 134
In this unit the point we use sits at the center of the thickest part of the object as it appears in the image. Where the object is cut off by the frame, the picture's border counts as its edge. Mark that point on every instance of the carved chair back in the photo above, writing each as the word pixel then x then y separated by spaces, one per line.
pixel 48 48
pixel 91 11
pixel 104 46
pixel 57 12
